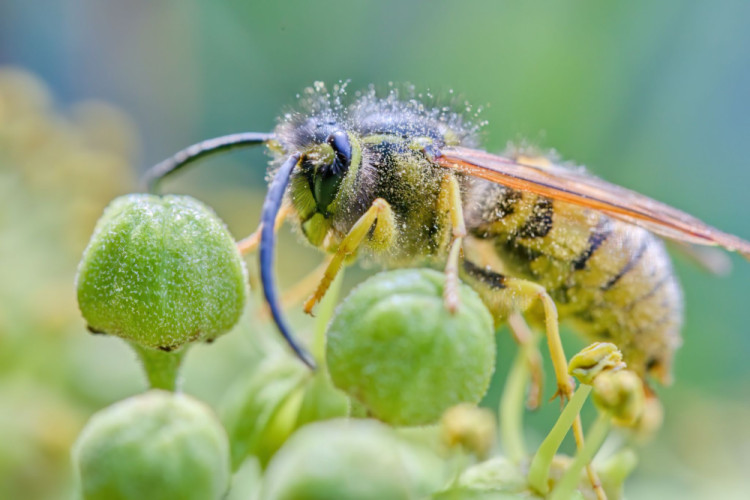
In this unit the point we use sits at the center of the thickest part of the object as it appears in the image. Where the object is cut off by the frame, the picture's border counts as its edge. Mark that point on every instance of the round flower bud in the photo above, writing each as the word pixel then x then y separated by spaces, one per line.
pixel 341 459
pixel 261 411
pixel 651 419
pixel 470 427
pixel 497 477
pixel 394 346
pixel 154 445
pixel 252 408
pixel 593 360
pixel 620 393
pixel 161 271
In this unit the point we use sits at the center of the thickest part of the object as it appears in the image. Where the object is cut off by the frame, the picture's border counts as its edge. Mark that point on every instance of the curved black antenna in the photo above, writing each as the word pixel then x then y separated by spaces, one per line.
pixel 152 177
pixel 267 243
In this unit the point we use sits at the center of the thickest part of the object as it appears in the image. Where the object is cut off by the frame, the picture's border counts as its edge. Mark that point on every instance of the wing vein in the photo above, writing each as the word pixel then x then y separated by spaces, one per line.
pixel 573 187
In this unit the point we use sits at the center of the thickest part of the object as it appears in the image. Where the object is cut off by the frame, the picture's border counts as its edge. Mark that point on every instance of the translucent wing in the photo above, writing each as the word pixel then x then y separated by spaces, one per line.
pixel 581 189
pixel 710 259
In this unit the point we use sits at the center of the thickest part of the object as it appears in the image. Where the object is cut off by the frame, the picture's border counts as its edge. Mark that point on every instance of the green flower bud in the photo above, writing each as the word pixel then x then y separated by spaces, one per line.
pixel 593 360
pixel 161 272
pixel 650 421
pixel 155 445
pixel 262 411
pixel 395 347
pixel 615 470
pixel 253 412
pixel 341 459
pixel 495 479
pixel 321 400
pixel 423 462
pixel 620 393
pixel 462 493
pixel 469 427
pixel 559 468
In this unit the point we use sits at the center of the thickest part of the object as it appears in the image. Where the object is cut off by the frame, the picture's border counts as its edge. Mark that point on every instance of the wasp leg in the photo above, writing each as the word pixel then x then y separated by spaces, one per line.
pixel 528 341
pixel 492 285
pixel 304 287
pixel 507 296
pixel 527 292
pixel 511 296
pixel 300 291
pixel 250 243
pixel 378 219
pixel 565 385
pixel 449 202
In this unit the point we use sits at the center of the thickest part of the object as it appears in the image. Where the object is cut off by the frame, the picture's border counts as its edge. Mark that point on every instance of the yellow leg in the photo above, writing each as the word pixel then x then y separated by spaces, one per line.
pixel 450 201
pixel 565 385
pixel 528 341
pixel 530 290
pixel 303 288
pixel 300 291
pixel 250 243
pixel 379 219
pixel 512 296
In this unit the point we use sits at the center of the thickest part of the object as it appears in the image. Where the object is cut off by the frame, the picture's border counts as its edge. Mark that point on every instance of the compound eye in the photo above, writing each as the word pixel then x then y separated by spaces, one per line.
pixel 342 149
pixel 326 180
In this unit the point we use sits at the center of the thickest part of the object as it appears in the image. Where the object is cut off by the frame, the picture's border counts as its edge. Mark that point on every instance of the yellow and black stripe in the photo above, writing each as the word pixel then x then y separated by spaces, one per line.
pixel 612 279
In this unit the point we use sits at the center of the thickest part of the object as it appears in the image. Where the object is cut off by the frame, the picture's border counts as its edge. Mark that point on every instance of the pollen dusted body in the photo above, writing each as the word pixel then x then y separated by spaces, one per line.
pixel 401 180
pixel 612 279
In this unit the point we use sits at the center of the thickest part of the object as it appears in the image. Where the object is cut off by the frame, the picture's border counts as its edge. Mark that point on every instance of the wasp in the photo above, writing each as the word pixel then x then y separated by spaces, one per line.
pixel 405 182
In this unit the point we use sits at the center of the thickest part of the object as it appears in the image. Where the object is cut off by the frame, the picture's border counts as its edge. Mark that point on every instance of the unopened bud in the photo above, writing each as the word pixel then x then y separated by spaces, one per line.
pixel 394 346
pixel 161 271
pixel 650 420
pixel 154 445
pixel 341 459
pixel 620 393
pixel 262 411
pixel 593 360
pixel 469 427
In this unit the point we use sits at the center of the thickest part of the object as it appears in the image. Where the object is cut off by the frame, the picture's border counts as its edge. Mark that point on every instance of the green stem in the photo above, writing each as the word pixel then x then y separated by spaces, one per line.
pixel 618 467
pixel 598 432
pixel 324 315
pixel 161 366
pixel 540 465
pixel 512 407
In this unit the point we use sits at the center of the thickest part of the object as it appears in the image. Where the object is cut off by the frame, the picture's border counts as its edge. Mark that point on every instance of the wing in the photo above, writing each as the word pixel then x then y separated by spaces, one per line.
pixel 710 259
pixel 587 191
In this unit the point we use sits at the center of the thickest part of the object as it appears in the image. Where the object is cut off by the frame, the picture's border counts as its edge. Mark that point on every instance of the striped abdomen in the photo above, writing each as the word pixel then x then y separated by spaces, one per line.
pixel 613 280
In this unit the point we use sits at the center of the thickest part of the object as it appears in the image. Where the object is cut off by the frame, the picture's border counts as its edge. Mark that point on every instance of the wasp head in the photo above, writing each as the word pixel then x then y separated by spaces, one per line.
pixel 324 167
pixel 327 151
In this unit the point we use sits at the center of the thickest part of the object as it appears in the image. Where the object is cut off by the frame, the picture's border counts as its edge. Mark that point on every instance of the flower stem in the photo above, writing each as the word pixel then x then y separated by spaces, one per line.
pixel 512 407
pixel 324 315
pixel 540 465
pixel 618 467
pixel 572 476
pixel 161 367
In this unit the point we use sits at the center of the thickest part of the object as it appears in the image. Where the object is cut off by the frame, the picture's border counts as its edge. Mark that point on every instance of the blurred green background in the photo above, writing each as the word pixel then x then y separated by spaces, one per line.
pixel 650 95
